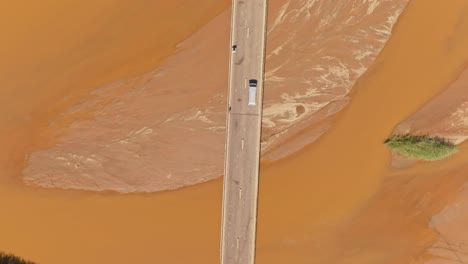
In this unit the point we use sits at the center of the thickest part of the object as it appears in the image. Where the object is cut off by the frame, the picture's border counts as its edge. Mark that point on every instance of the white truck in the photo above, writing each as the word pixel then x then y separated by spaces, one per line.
pixel 252 92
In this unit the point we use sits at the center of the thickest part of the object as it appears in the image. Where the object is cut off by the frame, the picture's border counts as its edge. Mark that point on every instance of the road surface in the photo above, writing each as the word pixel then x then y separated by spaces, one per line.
pixel 242 154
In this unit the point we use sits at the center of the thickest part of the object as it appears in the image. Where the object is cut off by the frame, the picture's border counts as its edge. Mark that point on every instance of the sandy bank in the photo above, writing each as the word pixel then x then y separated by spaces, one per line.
pixel 446 115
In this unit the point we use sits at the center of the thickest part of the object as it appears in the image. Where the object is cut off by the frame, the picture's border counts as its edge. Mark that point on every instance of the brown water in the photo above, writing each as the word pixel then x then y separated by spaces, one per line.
pixel 326 183
pixel 54 52
pixel 303 199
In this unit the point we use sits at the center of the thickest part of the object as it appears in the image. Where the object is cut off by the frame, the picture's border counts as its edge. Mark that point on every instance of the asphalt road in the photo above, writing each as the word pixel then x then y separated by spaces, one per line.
pixel 242 155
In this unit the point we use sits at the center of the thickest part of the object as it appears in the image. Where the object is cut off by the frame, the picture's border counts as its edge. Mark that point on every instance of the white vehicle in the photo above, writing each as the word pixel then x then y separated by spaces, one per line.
pixel 252 92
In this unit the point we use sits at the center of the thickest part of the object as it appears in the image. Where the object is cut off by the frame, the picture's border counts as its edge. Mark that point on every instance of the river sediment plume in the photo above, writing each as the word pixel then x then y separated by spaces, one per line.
pixel 159 131
pixel 445 115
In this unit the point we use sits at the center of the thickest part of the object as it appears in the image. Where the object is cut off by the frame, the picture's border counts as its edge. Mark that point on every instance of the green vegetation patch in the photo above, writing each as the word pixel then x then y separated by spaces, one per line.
pixel 12 259
pixel 421 147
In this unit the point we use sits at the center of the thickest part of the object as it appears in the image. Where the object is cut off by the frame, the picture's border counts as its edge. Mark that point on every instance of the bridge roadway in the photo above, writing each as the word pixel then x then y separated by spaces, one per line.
pixel 242 153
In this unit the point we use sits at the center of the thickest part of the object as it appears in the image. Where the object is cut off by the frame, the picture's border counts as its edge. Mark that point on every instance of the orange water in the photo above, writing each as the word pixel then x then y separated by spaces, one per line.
pixel 302 198
pixel 326 183
pixel 54 52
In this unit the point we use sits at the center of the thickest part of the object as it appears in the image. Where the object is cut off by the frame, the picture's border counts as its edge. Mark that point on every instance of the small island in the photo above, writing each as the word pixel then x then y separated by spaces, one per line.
pixel 421 147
